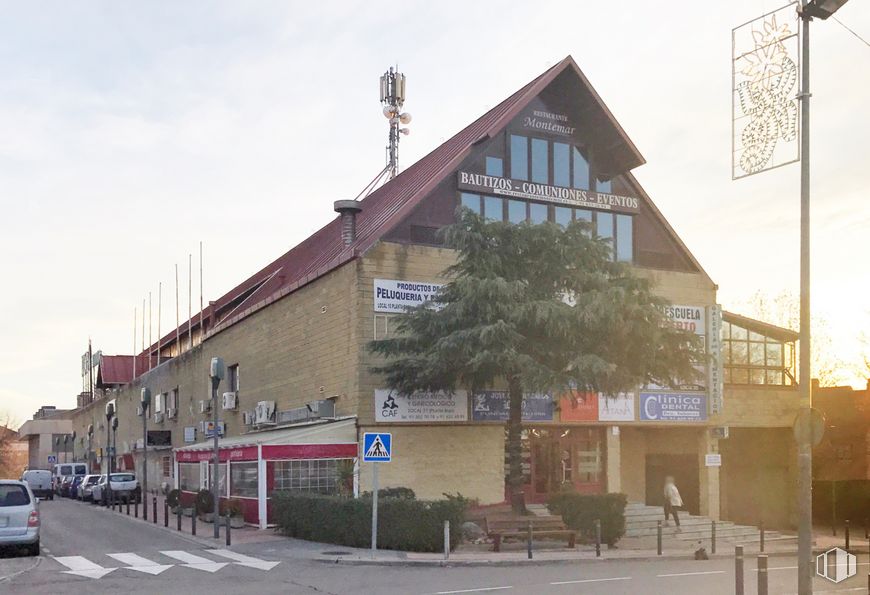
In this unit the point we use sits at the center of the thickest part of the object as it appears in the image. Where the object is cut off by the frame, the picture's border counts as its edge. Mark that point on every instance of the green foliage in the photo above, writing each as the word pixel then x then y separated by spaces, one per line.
pixel 404 524
pixel 204 501
pixel 400 492
pixel 173 498
pixel 345 474
pixel 580 511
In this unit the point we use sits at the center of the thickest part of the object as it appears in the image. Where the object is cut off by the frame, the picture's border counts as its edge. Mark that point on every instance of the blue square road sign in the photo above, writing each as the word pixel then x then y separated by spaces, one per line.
pixel 377 447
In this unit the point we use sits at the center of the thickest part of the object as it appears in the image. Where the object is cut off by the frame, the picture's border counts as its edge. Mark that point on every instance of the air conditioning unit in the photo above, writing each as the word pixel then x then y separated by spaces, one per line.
pixel 322 408
pixel 158 418
pixel 205 406
pixel 171 413
pixel 247 418
pixel 139 411
pixel 230 401
pixel 264 413
pixel 292 416
pixel 719 432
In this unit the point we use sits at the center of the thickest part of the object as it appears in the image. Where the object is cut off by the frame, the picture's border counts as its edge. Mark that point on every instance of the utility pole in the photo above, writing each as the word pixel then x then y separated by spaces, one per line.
pixel 216 373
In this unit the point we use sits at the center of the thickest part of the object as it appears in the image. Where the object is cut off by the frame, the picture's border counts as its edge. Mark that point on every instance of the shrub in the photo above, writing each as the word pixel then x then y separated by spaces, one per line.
pixel 400 493
pixel 580 511
pixel 173 498
pixel 204 502
pixel 403 524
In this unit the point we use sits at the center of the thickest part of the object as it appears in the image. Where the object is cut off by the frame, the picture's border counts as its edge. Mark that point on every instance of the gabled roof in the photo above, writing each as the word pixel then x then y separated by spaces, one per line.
pixel 118 369
pixel 762 328
pixel 325 250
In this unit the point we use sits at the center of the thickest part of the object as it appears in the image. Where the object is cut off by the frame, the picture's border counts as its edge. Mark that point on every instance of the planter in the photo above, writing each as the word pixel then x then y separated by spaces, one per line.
pixel 187 512
pixel 206 517
pixel 237 522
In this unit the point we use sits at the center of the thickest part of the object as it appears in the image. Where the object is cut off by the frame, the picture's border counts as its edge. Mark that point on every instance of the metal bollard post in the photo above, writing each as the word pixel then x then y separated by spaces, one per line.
pixel 738 570
pixel 178 517
pixel 144 499
pixel 165 513
pixel 597 538
pixel 761 536
pixel 154 508
pixel 866 529
pixel 136 509
pixel 659 538
pixel 762 574
pixel 529 540
pixel 446 540
pixel 128 507
pixel 847 534
pixel 712 537
pixel 193 522
pixel 229 540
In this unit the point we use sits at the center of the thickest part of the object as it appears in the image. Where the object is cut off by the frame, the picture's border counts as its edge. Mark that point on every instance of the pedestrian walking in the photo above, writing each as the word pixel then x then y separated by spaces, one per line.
pixel 673 501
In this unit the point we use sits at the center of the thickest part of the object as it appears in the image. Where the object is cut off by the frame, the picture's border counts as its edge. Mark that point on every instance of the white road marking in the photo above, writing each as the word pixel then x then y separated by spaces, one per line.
pixel 244 560
pixel 137 562
pixel 194 561
pixel 691 573
pixel 81 566
pixel 480 590
pixel 593 580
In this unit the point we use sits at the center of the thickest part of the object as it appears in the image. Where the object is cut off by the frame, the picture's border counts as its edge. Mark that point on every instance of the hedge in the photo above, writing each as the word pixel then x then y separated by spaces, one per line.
pixel 403 524
pixel 580 511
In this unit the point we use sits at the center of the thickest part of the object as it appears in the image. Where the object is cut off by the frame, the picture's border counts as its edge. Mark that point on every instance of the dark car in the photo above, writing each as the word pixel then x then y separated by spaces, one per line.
pixel 65 484
pixel 73 489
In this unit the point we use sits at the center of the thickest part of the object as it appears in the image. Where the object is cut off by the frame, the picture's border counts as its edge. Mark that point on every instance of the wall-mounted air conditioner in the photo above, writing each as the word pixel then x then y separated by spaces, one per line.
pixel 248 418
pixel 171 413
pixel 264 413
pixel 205 406
pixel 719 432
pixel 230 401
pixel 158 418
pixel 139 411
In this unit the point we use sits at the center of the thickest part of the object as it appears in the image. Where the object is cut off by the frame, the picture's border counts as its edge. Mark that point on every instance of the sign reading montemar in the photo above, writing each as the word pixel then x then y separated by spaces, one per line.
pixel 393 295
pixel 574 197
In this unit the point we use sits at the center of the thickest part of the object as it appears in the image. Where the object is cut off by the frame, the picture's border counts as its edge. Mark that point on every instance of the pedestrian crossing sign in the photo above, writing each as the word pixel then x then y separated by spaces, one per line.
pixel 377 447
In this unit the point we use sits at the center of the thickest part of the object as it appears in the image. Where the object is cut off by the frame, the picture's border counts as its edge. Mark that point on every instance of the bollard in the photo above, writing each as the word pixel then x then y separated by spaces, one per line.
pixel 178 517
pixel 446 540
pixel 136 509
pixel 165 513
pixel 659 538
pixel 846 533
pixel 762 574
pixel 597 538
pixel 761 536
pixel 128 507
pixel 712 537
pixel 738 570
pixel 229 540
pixel 529 540
pixel 144 499
pixel 193 522
pixel 866 529
pixel 154 508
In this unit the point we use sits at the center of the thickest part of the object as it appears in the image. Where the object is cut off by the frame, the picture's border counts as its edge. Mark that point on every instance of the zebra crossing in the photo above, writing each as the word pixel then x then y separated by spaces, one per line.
pixel 84 567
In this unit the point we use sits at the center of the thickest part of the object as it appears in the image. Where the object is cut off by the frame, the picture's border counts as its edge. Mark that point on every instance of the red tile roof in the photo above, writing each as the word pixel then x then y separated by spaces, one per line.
pixel 118 369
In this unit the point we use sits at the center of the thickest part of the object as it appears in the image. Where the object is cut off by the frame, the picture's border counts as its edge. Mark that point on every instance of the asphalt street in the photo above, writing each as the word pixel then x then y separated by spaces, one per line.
pixel 87 549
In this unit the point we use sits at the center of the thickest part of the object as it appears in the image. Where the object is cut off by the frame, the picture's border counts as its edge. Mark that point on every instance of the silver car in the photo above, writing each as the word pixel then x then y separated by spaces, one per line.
pixel 19 516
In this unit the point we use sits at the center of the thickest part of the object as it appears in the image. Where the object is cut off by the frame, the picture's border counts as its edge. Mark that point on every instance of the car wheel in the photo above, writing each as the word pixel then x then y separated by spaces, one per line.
pixel 33 549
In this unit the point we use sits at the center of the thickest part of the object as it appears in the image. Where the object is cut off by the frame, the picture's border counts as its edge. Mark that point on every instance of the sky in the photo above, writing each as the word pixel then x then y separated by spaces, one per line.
pixel 130 132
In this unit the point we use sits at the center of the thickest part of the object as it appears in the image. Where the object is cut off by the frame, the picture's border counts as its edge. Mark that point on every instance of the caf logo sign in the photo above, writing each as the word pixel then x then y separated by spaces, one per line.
pixel 390 408
pixel 836 565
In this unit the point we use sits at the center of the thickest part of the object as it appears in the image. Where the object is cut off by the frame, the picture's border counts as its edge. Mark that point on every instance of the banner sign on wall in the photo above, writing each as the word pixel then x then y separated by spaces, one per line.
pixel 673 406
pixel 619 407
pixel 494 405
pixel 688 318
pixel 421 407
pixel 715 374
pixel 587 406
pixel 393 295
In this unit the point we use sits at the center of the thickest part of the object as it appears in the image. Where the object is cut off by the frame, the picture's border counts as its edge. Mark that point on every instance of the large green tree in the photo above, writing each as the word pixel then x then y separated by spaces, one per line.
pixel 534 308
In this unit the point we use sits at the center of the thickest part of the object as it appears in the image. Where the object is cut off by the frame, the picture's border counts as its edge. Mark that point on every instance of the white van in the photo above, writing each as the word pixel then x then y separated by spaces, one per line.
pixel 62 470
pixel 39 481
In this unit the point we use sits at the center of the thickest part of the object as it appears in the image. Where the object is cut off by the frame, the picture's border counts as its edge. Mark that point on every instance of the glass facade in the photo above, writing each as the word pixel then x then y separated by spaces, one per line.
pixel 624 238
pixel 494 167
pixel 519 157
pixel 540 161
pixel 581 170
pixel 188 477
pixel 561 164
pixel 317 475
pixel 493 208
pixel 243 480
pixel 516 211
pixel 752 358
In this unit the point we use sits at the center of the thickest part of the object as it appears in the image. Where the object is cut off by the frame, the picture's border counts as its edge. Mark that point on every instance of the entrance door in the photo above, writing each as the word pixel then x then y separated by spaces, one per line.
pixel 565 457
pixel 684 469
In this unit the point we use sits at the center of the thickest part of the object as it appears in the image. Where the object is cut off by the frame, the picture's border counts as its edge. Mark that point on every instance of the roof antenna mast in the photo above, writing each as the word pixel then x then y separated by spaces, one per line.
pixel 392 98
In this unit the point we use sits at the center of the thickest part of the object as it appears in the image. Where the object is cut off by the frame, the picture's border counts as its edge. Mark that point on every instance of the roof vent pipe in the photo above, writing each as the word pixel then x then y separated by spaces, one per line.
pixel 348 210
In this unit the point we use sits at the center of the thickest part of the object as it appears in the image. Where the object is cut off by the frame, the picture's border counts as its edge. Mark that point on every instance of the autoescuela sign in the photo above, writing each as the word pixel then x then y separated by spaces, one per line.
pixel 393 295
pixel 575 197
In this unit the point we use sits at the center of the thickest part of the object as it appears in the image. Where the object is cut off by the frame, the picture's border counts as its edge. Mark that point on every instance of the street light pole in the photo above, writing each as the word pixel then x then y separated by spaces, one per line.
pixel 65 449
pixel 74 446
pixel 110 415
pixel 216 373
pixel 145 402
pixel 90 446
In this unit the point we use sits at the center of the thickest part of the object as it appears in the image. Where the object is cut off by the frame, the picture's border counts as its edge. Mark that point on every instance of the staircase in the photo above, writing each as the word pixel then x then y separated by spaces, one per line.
pixel 642 521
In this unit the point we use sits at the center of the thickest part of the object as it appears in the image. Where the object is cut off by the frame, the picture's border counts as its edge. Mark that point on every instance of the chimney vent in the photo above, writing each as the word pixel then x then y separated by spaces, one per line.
pixel 348 210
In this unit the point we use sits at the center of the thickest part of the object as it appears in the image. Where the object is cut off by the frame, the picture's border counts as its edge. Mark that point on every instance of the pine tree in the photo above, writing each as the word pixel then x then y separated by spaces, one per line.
pixel 535 308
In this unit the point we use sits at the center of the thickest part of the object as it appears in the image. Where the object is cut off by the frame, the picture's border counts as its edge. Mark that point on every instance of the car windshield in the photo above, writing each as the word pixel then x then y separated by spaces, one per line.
pixel 123 477
pixel 93 479
pixel 81 470
pixel 13 495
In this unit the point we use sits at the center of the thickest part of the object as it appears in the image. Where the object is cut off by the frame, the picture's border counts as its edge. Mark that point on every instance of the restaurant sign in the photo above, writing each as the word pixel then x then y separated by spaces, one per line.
pixel 421 407
pixel 673 406
pixel 574 197
pixel 494 405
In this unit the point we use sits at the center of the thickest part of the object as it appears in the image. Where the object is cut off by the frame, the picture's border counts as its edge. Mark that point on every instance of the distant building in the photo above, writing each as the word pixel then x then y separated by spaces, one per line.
pixel 42 433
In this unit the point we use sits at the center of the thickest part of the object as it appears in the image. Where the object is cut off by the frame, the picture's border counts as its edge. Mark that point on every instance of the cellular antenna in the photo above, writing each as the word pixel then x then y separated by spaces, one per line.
pixel 392 98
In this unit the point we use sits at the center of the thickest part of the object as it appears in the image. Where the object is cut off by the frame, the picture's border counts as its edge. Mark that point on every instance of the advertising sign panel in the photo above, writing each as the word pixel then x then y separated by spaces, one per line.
pixel 688 318
pixel 493 405
pixel 587 406
pixel 392 296
pixel 619 407
pixel 673 407
pixel 421 407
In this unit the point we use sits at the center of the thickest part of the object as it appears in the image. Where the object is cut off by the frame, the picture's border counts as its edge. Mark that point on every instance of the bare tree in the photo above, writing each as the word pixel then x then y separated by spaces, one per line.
pixel 7 437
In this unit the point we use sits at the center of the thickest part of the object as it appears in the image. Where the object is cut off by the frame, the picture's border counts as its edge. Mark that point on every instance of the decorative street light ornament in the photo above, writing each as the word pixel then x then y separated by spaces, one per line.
pixel 764 98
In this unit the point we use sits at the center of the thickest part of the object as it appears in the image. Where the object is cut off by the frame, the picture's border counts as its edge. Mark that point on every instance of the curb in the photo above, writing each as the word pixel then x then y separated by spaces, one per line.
pixel 210 542
pixel 9 577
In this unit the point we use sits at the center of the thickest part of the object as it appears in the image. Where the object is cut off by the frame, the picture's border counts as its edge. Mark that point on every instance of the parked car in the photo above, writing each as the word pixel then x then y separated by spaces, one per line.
pixel 95 488
pixel 19 516
pixel 39 481
pixel 124 487
pixel 65 483
pixel 62 470
pixel 74 486
pixel 85 488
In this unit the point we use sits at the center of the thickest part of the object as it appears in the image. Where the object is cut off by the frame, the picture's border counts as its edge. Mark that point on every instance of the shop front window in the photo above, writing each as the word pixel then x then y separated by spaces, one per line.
pixel 243 479
pixel 188 477
pixel 315 475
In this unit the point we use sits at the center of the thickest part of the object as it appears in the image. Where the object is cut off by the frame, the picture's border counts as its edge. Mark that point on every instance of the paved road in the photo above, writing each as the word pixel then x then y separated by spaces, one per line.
pixel 91 550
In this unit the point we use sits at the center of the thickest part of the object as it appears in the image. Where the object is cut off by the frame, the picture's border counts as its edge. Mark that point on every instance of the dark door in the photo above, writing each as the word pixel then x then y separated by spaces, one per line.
pixel 684 468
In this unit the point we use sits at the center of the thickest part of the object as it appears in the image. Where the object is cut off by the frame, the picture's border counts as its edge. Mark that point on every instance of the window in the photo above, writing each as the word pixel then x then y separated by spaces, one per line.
pixel 470 201
pixel 581 170
pixel 562 216
pixel 233 378
pixel 516 211
pixel 493 208
pixel 604 225
pixel 537 213
pixel 540 161
pixel 243 480
pixel 561 164
pixel 316 475
pixel 158 402
pixel 383 326
pixel 172 402
pixel 188 477
pixel 603 186
pixel 166 463
pixel 494 167
pixel 624 238
pixel 519 157
pixel 81 470
pixel 13 495
pixel 752 358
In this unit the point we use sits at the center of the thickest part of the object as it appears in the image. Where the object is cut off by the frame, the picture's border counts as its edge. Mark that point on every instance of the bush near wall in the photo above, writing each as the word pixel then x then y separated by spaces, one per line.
pixel 403 524
pixel 580 511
